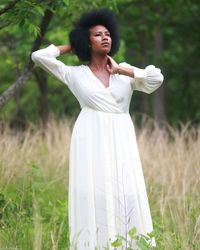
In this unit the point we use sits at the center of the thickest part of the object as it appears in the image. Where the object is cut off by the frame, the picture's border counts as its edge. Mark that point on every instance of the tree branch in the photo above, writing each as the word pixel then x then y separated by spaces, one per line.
pixel 43 29
pixel 8 7
pixel 14 87
pixel 7 94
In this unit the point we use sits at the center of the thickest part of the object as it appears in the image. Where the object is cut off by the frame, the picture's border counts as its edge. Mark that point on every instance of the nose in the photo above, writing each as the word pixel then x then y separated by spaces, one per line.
pixel 104 37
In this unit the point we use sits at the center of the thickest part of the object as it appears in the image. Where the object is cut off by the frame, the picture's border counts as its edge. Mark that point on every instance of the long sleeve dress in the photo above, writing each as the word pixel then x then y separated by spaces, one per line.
pixel 107 193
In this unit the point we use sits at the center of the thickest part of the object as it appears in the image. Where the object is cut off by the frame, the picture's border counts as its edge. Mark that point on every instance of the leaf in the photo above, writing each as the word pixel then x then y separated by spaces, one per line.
pixel 152 234
pixel 118 242
pixel 132 232
pixel 39 10
pixel 66 2
pixel 143 244
pixel 33 29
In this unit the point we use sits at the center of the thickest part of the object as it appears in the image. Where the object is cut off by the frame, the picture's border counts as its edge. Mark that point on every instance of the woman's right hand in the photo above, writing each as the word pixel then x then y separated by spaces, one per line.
pixel 64 49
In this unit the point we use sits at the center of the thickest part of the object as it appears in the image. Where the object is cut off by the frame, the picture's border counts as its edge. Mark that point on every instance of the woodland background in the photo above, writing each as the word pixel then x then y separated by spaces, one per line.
pixel 164 33
pixel 37 113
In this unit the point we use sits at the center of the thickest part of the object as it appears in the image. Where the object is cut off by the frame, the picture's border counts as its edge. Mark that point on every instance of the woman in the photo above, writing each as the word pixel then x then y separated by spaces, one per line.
pixel 107 194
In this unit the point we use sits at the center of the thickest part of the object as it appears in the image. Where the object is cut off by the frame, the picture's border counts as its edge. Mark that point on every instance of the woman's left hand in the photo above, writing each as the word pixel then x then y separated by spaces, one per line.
pixel 112 66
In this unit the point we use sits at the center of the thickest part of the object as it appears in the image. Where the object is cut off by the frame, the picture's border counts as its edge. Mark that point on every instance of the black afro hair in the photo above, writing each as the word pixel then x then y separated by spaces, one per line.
pixel 79 36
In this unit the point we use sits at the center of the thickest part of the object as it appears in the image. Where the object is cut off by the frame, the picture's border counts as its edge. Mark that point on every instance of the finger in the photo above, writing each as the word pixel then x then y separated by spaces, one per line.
pixel 109 62
pixel 110 59
pixel 108 67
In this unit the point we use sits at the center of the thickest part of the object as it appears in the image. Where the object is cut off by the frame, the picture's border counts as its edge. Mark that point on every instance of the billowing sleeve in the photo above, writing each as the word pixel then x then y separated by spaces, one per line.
pixel 146 80
pixel 46 59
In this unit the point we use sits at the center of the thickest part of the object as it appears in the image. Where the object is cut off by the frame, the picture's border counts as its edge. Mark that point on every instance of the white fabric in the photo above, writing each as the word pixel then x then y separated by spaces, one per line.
pixel 107 194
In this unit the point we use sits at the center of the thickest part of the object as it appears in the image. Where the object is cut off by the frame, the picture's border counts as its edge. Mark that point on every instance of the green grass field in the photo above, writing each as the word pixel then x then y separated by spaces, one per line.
pixel 34 186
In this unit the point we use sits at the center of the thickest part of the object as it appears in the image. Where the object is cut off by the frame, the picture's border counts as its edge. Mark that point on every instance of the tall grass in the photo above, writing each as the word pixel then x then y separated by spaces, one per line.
pixel 34 185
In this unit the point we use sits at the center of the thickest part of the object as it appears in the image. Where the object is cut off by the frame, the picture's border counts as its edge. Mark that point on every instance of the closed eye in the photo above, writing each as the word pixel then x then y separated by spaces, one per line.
pixel 99 34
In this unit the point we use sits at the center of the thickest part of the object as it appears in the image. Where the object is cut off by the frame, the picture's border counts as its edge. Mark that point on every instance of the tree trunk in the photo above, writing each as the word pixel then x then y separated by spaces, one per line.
pixel 143 49
pixel 159 109
pixel 43 107
pixel 18 120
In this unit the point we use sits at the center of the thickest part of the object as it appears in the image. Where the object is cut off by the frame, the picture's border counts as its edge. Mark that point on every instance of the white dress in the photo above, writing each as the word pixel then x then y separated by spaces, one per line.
pixel 107 194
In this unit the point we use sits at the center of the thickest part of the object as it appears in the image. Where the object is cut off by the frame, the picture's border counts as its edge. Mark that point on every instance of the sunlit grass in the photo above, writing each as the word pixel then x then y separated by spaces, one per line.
pixel 34 185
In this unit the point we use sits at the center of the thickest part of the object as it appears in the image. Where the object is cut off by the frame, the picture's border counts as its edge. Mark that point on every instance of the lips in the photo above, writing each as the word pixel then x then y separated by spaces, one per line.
pixel 105 44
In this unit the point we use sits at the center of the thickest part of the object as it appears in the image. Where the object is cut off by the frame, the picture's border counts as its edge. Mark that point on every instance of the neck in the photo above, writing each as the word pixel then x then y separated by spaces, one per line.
pixel 98 62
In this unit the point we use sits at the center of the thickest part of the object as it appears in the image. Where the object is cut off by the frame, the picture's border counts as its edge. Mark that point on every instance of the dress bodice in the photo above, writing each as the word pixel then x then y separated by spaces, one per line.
pixel 90 91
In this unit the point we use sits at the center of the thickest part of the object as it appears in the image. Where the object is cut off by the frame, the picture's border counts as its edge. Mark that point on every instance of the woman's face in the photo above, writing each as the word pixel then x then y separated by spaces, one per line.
pixel 100 40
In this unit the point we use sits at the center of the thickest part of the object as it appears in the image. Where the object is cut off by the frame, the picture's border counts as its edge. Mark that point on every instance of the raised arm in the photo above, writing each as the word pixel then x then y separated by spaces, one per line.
pixel 64 49
pixel 146 80
pixel 46 59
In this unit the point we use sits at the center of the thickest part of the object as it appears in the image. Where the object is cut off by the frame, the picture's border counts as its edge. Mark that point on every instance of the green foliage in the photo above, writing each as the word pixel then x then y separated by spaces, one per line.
pixel 143 242
pixel 119 241
pixel 29 204
pixel 25 14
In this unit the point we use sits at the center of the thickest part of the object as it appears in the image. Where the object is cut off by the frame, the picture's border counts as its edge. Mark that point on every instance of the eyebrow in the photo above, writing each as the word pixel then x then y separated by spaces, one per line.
pixel 106 31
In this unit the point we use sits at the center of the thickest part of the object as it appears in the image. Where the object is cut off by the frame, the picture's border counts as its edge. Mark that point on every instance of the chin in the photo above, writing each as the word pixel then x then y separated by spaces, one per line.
pixel 106 51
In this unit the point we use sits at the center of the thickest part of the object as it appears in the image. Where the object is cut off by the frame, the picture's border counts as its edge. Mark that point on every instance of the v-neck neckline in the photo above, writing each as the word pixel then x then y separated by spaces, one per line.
pixel 100 82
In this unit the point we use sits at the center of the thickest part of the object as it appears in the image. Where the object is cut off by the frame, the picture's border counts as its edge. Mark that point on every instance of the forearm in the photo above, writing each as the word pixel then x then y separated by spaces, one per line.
pixel 46 59
pixel 125 71
pixel 64 49
pixel 115 68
